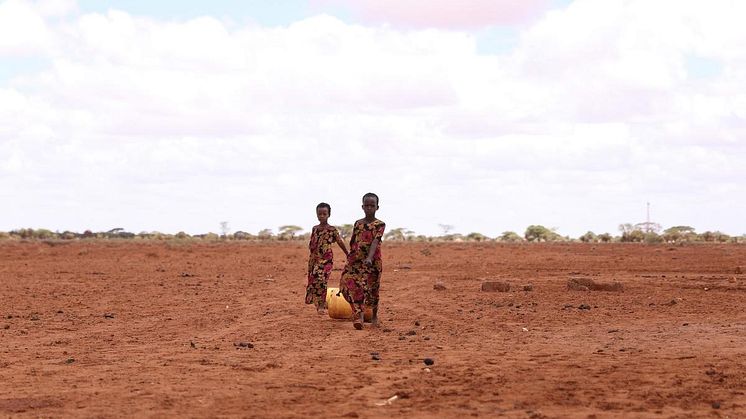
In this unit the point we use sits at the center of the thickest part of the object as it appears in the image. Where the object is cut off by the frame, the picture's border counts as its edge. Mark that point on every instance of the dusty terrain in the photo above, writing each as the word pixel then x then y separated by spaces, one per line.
pixel 150 329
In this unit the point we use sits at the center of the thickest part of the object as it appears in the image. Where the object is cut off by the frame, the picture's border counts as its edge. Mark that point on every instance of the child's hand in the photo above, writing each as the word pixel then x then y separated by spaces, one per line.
pixel 368 262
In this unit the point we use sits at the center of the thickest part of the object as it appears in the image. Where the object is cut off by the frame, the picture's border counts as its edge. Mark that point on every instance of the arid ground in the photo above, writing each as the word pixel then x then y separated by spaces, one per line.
pixel 154 329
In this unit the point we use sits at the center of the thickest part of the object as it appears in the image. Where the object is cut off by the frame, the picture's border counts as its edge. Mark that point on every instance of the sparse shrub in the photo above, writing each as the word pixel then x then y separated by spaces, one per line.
pixel 511 237
pixel 605 238
pixel 476 237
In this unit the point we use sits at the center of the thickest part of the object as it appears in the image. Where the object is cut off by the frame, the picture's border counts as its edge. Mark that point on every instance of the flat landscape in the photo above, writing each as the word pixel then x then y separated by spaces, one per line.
pixel 152 329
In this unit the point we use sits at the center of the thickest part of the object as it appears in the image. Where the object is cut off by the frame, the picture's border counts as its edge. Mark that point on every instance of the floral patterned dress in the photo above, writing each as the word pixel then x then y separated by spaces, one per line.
pixel 360 283
pixel 320 263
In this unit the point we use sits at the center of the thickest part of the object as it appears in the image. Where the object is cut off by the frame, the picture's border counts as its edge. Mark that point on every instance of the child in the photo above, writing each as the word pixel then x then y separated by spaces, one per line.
pixel 321 260
pixel 361 278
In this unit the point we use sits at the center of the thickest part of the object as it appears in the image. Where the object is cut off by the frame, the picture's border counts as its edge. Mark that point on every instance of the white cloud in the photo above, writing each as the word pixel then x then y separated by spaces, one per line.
pixel 23 31
pixel 145 124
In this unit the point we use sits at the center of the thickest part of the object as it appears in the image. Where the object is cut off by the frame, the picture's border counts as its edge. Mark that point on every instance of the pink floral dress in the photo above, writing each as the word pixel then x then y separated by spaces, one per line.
pixel 360 283
pixel 320 263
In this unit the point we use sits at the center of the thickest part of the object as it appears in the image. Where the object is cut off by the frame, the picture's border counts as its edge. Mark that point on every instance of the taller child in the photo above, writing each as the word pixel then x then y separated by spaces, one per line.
pixel 361 278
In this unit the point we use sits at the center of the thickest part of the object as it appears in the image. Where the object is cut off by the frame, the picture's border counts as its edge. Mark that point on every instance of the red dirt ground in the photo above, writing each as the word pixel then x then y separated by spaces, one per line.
pixel 102 329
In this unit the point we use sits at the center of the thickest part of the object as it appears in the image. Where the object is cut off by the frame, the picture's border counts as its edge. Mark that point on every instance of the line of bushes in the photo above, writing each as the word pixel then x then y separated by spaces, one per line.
pixel 534 233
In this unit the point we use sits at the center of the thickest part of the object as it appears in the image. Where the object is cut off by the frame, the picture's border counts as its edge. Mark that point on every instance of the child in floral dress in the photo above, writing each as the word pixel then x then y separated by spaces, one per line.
pixel 321 259
pixel 361 278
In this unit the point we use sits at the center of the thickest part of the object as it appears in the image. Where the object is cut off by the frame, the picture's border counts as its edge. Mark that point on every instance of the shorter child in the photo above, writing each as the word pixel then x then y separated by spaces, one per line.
pixel 321 259
pixel 361 278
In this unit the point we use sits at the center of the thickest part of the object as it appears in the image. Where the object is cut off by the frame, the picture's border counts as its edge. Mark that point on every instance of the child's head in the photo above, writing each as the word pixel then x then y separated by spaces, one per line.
pixel 370 204
pixel 323 211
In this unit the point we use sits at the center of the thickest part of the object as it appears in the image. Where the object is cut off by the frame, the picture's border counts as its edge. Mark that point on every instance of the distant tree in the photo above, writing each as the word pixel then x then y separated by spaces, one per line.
pixel 43 234
pixel 476 237
pixel 210 237
pixel 652 238
pixel 395 234
pixel 224 229
pixel 242 235
pixel 631 233
pixel 288 232
pixel 68 235
pixel 648 227
pixel 605 238
pixel 714 236
pixel 541 234
pixel 345 230
pixel 265 234
pixel 679 233
pixel 510 236
pixel 588 237
pixel 446 228
pixel 456 237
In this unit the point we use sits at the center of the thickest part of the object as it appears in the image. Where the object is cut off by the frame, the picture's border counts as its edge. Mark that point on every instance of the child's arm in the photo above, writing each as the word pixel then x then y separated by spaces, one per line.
pixel 341 244
pixel 371 252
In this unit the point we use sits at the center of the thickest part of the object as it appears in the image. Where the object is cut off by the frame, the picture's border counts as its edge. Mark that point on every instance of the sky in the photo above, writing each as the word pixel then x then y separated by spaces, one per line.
pixel 484 115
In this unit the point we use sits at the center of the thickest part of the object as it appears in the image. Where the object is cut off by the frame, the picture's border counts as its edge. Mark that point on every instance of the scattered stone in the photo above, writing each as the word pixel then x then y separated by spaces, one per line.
pixel 587 284
pixel 192 344
pixel 739 271
pixel 577 285
pixel 528 287
pixel 108 315
pixel 584 307
pixel 387 330
pixel 411 333
pixel 34 317
pixel 69 360
pixel 60 311
pixel 402 337
pixel 439 286
pixel 375 356
pixel 416 322
pixel 186 275
pixel 495 286
pixel 568 306
pixel 716 405
pixel 426 338
pixel 426 252
pixel 613 330
pixel 428 361
pixel 671 303
pixel 685 324
pixel 243 345
pixel 388 401
pixel 6 327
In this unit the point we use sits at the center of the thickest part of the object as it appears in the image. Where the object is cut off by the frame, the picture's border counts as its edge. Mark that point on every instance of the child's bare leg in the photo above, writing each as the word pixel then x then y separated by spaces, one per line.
pixel 374 317
pixel 358 316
